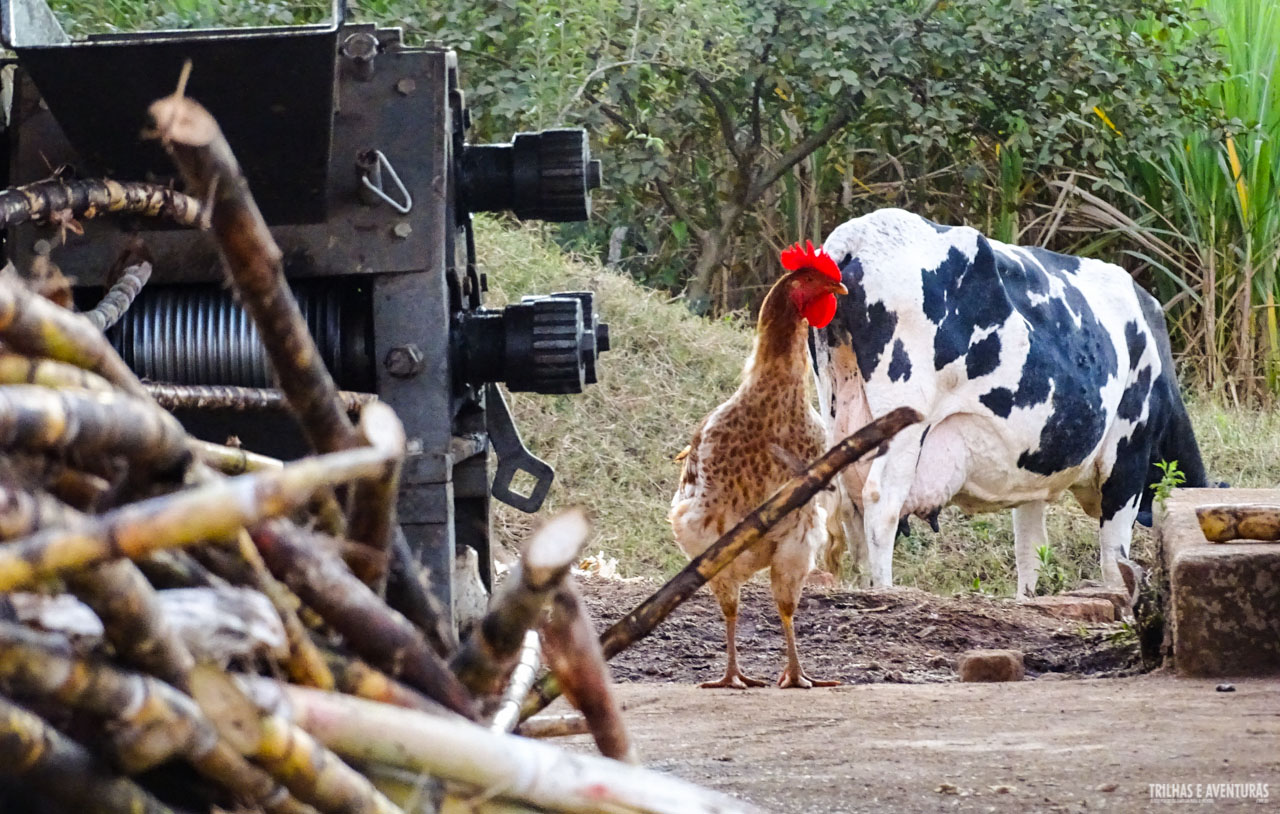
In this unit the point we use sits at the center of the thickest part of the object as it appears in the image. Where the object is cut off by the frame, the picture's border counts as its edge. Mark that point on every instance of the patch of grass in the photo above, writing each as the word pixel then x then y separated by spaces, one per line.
pixel 612 445
pixel 83 17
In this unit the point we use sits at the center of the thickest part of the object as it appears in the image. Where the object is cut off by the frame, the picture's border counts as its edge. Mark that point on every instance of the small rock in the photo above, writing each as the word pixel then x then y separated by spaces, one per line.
pixel 937 662
pixel 1078 608
pixel 947 788
pixel 1225 688
pixel 1108 787
pixel 1001 789
pixel 991 665
pixel 821 580
pixel 1116 596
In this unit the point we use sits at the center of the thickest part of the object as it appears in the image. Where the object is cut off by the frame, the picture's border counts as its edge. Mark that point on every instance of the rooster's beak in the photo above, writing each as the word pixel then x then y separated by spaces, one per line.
pixel 840 289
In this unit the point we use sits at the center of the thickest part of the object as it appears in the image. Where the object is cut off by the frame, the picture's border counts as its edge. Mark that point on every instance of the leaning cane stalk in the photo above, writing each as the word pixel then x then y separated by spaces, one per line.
pixel 354 677
pixel 485 659
pixel 35 753
pixel 495 765
pixel 254 263
pixel 507 714
pixel 792 495
pixel 240 399
pixel 18 369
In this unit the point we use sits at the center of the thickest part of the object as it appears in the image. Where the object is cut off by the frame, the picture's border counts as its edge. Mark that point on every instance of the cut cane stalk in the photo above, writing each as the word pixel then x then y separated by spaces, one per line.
pixel 485 659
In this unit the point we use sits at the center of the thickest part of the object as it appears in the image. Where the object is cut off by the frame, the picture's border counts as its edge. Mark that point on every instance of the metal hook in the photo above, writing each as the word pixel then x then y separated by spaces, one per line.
pixel 374 185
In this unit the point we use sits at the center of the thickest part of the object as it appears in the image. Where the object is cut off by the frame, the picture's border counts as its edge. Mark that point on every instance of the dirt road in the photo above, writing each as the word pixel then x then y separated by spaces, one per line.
pixel 1044 745
pixel 1085 732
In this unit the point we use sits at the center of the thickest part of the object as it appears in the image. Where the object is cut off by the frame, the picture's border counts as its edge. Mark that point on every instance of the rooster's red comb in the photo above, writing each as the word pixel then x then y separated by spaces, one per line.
pixel 807 257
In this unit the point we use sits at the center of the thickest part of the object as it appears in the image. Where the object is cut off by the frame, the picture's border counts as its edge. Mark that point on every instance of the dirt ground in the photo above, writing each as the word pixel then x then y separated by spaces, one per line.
pixel 915 740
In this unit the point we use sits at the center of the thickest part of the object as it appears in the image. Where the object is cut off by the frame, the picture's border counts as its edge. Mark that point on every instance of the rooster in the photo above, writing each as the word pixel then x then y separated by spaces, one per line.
pixel 750 445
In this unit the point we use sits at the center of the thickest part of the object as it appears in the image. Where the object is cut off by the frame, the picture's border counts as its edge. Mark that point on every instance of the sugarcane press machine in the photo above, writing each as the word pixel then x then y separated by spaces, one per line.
pixel 355 148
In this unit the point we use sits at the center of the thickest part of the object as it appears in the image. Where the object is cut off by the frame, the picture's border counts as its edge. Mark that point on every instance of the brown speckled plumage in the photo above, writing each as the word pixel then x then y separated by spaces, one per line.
pixel 741 453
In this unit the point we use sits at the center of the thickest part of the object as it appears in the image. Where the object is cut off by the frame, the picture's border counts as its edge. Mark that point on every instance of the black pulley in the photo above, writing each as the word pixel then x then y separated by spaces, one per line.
pixel 547 175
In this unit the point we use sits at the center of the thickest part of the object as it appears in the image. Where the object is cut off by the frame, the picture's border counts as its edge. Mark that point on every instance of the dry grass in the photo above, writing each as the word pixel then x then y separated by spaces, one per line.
pixel 612 446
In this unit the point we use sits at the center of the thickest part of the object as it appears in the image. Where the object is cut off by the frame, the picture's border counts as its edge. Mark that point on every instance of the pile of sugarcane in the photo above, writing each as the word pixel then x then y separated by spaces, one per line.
pixel 191 627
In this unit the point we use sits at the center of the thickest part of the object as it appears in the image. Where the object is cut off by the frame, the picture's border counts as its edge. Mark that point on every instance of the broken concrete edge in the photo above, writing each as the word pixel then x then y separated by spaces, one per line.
pixel 1224 598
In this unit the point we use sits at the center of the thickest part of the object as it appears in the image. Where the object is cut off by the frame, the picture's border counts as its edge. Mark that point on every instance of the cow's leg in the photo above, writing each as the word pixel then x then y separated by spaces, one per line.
pixel 1115 534
pixel 1028 535
pixel 883 495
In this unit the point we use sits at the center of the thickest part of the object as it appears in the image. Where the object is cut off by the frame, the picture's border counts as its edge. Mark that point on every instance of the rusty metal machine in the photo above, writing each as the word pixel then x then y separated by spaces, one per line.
pixel 355 147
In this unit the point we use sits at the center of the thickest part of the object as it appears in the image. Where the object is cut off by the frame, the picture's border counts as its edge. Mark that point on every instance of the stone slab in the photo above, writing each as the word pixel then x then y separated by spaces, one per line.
pixel 1224 603
pixel 991 666
pixel 1075 608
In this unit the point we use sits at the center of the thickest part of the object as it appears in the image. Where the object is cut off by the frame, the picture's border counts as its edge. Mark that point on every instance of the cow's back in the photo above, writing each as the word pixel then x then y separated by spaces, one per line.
pixel 1027 364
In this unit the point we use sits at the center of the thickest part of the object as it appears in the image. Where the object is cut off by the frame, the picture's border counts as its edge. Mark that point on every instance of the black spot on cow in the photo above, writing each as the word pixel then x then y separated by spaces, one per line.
pixel 1135 395
pixel 866 327
pixel 1125 481
pixel 1136 341
pixel 899 364
pixel 998 401
pixel 983 356
pixel 938 227
pixel 1053 260
pixel 960 297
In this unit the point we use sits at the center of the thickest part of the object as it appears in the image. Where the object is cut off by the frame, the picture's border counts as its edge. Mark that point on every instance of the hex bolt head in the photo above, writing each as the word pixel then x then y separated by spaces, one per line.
pixel 404 361
pixel 402 230
pixel 406 86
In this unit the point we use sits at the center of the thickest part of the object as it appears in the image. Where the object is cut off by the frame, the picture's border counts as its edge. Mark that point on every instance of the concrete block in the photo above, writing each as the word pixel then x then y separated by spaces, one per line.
pixel 1074 608
pixel 991 665
pixel 1224 603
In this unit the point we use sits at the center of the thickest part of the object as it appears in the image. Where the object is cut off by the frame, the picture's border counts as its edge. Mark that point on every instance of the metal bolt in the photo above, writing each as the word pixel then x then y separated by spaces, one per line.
pixel 404 361
pixel 42 247
pixel 406 86
pixel 361 47
pixel 402 230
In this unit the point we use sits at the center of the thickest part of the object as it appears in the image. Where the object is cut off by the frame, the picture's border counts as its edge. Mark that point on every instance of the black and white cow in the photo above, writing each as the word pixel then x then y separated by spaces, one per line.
pixel 1036 372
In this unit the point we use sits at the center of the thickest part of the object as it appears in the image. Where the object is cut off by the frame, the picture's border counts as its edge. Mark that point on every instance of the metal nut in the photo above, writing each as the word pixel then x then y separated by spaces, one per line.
pixel 402 230
pixel 406 86
pixel 404 361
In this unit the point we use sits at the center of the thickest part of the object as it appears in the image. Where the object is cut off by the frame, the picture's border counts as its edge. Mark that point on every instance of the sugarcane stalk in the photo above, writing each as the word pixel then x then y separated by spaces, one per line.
pixel 573 653
pixel 35 753
pixel 253 262
pixel 305 664
pixel 374 631
pixel 297 760
pixel 554 726
pixel 507 714
pixel 116 591
pixel 1223 523
pixel 93 197
pixel 32 325
pixel 790 496
pixel 371 524
pixel 239 399
pixel 354 677
pixel 41 419
pixel 232 460
pixel 408 594
pixel 216 510
pixel 151 721
pixel 18 369
pixel 485 659
pixel 120 296
pixel 498 765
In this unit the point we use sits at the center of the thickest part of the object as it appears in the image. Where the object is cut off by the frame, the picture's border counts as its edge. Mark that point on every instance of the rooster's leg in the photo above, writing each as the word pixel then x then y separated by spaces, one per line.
pixel 786 591
pixel 733 677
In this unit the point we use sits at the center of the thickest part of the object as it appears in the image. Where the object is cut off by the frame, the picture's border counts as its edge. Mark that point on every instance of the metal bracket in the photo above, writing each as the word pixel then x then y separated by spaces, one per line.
pixel 513 456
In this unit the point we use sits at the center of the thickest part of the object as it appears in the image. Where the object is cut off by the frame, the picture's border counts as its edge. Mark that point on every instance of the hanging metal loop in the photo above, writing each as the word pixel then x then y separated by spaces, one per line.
pixel 371 176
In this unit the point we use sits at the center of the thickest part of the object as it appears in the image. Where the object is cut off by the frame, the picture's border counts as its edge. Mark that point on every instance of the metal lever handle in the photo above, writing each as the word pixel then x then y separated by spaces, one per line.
pixel 513 456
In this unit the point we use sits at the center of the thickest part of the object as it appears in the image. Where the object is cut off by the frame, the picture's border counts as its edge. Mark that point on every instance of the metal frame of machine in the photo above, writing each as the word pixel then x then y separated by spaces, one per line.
pixel 354 145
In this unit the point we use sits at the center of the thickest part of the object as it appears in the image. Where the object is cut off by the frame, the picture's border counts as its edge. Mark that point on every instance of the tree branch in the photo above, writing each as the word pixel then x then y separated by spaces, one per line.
pixel 798 152
pixel 722 113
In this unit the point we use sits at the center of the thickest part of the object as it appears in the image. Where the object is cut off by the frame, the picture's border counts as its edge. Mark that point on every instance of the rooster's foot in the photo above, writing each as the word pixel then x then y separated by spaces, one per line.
pixel 801 680
pixel 735 681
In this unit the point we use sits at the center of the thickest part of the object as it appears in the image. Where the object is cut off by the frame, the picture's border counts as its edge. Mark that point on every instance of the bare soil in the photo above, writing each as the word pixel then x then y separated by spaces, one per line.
pixel 1086 731
pixel 901 635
